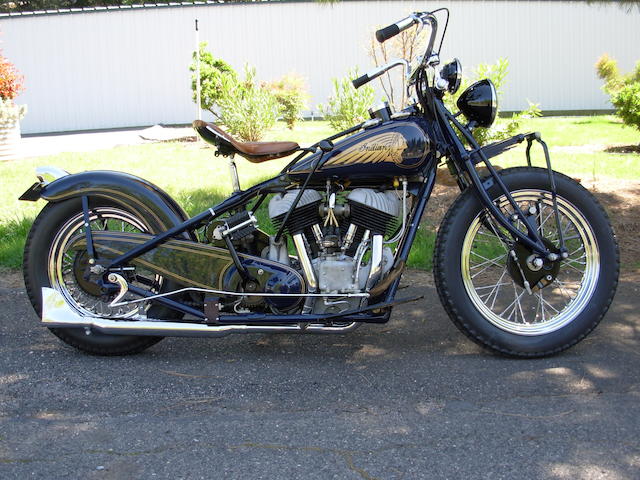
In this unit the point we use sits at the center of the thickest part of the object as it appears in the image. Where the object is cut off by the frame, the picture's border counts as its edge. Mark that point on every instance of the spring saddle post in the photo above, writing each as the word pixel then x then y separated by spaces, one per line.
pixel 234 174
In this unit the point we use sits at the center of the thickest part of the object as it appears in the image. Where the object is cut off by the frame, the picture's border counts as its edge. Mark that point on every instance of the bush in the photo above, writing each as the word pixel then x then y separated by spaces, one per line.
pixel 627 103
pixel 291 95
pixel 497 73
pixel 212 70
pixel 246 109
pixel 623 90
pixel 347 106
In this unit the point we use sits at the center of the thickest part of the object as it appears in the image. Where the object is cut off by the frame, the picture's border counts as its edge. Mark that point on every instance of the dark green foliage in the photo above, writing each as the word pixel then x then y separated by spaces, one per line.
pixel 627 103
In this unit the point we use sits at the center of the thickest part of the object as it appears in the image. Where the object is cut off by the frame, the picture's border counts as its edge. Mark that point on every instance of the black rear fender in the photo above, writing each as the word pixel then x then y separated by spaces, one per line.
pixel 119 187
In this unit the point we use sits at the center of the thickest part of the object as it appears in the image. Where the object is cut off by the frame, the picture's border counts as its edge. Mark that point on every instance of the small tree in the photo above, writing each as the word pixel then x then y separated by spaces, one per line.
pixel 212 71
pixel 404 45
pixel 623 90
pixel 347 106
pixel 291 95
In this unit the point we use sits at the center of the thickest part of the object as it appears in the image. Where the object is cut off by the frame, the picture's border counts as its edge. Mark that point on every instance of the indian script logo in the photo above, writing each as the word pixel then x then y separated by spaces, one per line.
pixel 386 147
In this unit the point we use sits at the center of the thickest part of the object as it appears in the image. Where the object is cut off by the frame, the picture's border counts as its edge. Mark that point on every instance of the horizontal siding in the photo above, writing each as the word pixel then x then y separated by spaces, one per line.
pixel 130 67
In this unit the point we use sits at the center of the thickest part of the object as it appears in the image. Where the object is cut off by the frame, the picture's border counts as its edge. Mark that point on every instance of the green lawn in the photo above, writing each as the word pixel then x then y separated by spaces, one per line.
pixel 197 179
pixel 565 131
pixel 591 133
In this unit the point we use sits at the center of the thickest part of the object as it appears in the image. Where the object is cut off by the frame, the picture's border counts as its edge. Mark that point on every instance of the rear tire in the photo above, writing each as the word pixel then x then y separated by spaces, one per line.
pixel 529 326
pixel 47 227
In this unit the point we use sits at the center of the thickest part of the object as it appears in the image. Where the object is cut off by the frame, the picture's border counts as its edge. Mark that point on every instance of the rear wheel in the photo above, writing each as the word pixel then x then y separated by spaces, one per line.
pixel 53 259
pixel 500 294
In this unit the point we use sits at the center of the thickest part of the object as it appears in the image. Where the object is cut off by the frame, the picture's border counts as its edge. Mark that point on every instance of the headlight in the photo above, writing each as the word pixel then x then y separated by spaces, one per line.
pixel 452 73
pixel 479 103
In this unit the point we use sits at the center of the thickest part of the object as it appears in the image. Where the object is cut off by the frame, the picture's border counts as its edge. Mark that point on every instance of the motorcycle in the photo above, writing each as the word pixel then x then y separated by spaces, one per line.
pixel 526 262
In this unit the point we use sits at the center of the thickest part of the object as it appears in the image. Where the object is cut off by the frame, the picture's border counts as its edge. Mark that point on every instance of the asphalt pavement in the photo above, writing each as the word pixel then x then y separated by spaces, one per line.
pixel 411 399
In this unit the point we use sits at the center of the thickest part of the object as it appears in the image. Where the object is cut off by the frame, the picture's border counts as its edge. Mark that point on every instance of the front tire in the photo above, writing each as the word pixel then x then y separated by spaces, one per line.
pixel 48 262
pixel 481 285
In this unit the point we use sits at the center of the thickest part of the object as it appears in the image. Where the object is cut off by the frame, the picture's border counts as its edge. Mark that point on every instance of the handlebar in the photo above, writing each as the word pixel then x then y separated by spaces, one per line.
pixel 420 18
pixel 358 82
pixel 367 77
pixel 395 28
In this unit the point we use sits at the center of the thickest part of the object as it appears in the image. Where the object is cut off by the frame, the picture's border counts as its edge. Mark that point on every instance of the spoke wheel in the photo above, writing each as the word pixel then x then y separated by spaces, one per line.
pixel 493 279
pixel 56 257
pixel 481 273
pixel 69 269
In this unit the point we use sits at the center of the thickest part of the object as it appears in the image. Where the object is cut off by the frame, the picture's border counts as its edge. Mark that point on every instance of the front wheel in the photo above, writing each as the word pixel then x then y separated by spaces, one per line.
pixel 482 275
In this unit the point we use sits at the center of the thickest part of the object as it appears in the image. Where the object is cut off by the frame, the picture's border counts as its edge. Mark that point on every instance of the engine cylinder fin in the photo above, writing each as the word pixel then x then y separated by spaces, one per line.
pixel 375 220
pixel 302 218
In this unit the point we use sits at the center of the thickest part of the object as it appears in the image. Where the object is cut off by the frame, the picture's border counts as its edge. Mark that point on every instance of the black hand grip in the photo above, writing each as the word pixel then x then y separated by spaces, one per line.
pixel 358 82
pixel 387 32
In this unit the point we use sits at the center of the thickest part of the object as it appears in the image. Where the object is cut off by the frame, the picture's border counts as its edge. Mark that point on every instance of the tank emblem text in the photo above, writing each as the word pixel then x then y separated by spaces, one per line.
pixel 386 147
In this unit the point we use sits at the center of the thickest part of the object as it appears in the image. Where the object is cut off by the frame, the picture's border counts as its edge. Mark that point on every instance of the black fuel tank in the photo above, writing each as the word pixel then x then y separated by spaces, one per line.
pixel 396 148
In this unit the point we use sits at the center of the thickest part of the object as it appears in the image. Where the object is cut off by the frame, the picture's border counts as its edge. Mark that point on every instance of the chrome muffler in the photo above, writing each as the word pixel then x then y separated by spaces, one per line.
pixel 57 313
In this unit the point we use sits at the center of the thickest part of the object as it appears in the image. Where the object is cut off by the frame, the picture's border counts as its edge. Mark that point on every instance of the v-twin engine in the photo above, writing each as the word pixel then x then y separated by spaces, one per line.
pixel 339 239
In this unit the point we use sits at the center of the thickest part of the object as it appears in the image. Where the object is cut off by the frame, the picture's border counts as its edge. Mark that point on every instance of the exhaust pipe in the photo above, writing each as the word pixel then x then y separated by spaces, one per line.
pixel 57 313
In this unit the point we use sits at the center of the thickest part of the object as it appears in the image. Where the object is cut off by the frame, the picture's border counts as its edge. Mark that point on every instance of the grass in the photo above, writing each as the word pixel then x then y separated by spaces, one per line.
pixel 13 233
pixel 197 179
pixel 566 131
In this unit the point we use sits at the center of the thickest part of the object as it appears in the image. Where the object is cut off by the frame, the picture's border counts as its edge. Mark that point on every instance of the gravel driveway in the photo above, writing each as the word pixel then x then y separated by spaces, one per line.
pixel 407 400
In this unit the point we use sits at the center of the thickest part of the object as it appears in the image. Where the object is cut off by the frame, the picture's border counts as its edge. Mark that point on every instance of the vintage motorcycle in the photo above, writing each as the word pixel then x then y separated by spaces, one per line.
pixel 526 262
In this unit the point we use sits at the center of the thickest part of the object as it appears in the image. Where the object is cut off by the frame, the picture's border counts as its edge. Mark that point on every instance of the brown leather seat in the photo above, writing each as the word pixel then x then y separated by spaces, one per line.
pixel 255 152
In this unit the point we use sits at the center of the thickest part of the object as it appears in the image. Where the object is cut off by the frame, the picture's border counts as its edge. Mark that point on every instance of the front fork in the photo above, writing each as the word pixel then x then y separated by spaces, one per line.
pixel 531 238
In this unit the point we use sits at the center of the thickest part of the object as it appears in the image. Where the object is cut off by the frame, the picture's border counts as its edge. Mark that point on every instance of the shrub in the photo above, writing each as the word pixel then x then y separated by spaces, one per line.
pixel 347 106
pixel 627 103
pixel 246 109
pixel 212 70
pixel 497 73
pixel 623 90
pixel 290 93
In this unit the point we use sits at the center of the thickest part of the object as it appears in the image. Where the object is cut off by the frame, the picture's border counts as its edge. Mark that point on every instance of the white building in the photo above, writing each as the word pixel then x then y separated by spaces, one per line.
pixel 122 67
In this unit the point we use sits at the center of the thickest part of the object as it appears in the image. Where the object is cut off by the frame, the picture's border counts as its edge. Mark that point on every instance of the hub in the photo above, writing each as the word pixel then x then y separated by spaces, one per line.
pixel 83 276
pixel 538 271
